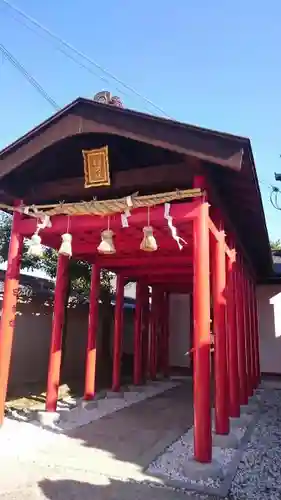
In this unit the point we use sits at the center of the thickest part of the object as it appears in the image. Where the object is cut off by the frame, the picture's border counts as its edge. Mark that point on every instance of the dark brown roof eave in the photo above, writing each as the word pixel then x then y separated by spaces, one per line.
pixel 240 141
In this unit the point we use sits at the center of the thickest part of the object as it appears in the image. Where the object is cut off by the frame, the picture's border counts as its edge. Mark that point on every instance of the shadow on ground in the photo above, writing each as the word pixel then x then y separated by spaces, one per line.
pixel 122 444
pixel 114 490
pixel 134 435
pixel 138 433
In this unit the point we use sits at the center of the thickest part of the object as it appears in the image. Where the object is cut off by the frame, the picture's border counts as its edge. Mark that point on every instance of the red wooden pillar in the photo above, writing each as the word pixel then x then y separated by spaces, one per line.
pixel 117 336
pixel 7 325
pixel 245 331
pixel 239 295
pixel 219 305
pixel 145 331
pixel 90 376
pixel 233 326
pixel 202 367
pixel 153 336
pixel 56 337
pixel 137 336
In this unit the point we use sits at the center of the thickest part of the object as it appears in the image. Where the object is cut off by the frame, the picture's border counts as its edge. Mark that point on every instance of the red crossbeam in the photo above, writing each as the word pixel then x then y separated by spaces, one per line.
pixel 147 261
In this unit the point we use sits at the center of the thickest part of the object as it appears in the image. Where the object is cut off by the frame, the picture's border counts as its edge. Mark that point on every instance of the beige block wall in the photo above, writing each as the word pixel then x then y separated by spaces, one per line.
pixel 31 345
pixel 30 354
pixel 269 312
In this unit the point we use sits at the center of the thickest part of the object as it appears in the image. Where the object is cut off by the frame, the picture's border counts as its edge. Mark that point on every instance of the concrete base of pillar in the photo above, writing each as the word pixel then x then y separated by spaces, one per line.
pixel 249 409
pixel 197 471
pixel 154 381
pixel 226 440
pixel 100 395
pixel 241 421
pixel 115 394
pixel 89 405
pixel 134 388
pixel 48 418
pixel 131 394
pixel 254 400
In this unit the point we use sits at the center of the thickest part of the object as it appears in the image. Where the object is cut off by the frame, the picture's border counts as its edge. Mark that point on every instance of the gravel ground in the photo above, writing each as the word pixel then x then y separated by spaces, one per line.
pixel 258 476
pixel 171 463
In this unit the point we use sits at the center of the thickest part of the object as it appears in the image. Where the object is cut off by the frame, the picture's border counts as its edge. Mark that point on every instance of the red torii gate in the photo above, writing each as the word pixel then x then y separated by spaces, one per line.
pixel 237 371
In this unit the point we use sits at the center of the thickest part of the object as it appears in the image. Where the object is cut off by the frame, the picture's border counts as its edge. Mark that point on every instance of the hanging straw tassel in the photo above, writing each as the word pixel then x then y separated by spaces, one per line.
pixel 35 247
pixel 106 245
pixel 66 247
pixel 148 243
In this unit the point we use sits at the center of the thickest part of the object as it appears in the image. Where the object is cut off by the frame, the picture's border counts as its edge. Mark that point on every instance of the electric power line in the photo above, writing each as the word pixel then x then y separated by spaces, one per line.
pixel 274 190
pixel 7 54
pixel 67 54
pixel 84 56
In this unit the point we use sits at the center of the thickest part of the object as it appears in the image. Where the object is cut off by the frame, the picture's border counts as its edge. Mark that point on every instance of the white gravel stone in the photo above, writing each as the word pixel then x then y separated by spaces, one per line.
pixel 258 476
pixel 171 462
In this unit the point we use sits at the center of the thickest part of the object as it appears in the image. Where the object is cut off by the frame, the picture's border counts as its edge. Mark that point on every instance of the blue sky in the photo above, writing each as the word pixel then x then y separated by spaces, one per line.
pixel 211 63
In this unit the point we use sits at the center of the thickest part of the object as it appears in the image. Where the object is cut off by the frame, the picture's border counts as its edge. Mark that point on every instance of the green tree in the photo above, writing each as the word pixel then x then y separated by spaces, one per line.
pixel 80 271
pixel 275 245
pixel 79 281
pixel 28 262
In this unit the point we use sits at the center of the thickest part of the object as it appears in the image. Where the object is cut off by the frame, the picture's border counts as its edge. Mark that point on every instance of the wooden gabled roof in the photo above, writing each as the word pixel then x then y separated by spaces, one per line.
pixel 53 149
pixel 77 118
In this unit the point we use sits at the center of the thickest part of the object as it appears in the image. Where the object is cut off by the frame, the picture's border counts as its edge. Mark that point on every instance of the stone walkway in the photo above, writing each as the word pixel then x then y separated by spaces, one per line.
pixel 137 434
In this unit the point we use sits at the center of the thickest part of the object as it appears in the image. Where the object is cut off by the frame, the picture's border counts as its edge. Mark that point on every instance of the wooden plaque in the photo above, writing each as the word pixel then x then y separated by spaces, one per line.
pixel 96 167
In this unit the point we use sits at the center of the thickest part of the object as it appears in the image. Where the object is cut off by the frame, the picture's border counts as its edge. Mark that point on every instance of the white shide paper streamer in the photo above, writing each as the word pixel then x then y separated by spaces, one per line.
pixel 169 218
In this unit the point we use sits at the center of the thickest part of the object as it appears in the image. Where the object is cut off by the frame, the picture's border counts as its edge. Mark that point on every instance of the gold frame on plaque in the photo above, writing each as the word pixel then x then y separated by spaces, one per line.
pixel 96 167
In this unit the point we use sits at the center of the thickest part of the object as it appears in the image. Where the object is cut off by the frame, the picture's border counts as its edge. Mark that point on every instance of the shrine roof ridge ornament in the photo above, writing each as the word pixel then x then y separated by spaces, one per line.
pixel 105 97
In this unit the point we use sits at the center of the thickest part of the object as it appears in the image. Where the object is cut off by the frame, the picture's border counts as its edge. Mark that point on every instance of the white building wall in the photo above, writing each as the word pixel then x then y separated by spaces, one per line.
pixel 269 312
pixel 179 330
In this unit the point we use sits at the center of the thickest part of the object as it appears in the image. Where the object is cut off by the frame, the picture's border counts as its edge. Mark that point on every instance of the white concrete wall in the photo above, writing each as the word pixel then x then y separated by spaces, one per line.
pixel 269 311
pixel 179 330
